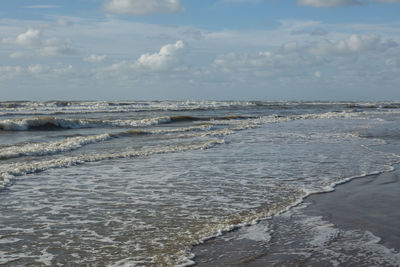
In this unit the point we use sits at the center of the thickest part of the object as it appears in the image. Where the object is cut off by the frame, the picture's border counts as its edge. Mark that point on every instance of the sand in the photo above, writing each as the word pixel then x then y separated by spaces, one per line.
pixel 355 225
pixel 371 203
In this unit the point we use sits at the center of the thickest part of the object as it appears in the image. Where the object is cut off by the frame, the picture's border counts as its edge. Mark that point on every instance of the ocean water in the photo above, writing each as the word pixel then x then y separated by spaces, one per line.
pixel 139 183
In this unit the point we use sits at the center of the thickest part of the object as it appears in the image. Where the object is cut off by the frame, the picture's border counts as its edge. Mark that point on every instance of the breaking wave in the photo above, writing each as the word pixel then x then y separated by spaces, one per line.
pixel 54 123
pixel 10 171
pixel 49 148
pixel 82 107
pixel 76 142
pixel 229 125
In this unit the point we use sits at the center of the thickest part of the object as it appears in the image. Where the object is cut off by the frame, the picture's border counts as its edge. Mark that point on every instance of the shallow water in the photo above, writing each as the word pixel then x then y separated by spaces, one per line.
pixel 140 183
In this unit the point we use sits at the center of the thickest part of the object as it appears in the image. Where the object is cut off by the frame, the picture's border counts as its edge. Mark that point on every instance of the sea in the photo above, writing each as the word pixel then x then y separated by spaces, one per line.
pixel 140 183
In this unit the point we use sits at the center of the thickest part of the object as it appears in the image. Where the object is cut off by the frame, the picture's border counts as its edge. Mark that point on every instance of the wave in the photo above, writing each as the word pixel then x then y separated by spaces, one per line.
pixel 230 124
pixel 69 108
pixel 192 118
pixel 86 107
pixel 54 123
pixel 9 171
pixel 76 142
pixel 49 148
pixel 79 107
pixel 239 123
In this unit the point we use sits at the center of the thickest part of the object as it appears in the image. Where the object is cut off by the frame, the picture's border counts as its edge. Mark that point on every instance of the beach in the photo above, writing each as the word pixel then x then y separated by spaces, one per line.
pixel 177 133
pixel 365 207
pixel 141 183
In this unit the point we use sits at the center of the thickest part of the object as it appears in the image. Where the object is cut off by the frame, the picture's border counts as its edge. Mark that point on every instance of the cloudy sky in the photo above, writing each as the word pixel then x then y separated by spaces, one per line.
pixel 200 49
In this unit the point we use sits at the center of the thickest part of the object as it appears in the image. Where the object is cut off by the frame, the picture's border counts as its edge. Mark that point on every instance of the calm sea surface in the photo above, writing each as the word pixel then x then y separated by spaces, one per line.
pixel 140 183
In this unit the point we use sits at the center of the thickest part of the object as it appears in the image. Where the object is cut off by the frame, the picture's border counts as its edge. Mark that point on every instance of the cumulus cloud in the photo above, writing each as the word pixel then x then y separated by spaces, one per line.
pixel 17 55
pixel 54 46
pixel 393 62
pixel 94 58
pixel 335 3
pixel 329 3
pixel 289 47
pixel 388 1
pixel 35 69
pixel 9 72
pixel 142 7
pixel 167 58
pixel 232 61
pixel 41 6
pixel 63 70
pixel 257 61
pixel 293 55
pixel 240 1
pixel 32 39
pixel 315 32
pixel 353 44
pixel 28 38
pixel 63 22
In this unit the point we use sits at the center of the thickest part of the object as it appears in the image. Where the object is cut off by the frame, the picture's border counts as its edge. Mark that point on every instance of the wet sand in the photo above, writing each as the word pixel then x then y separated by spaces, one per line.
pixel 371 203
pixel 328 229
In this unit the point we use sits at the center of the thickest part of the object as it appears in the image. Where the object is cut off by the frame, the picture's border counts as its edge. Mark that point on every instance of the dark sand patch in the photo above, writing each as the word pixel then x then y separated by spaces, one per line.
pixel 370 204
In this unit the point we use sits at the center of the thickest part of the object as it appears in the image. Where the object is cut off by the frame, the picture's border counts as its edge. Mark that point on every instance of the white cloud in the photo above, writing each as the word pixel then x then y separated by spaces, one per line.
pixel 32 39
pixel 329 3
pixel 17 55
pixel 167 58
pixel 335 3
pixel 164 62
pixel 9 72
pixel 240 1
pixel 63 22
pixel 247 62
pixel 289 47
pixel 28 38
pixel 393 62
pixel 41 6
pixel 36 69
pixel 54 46
pixel 294 55
pixel 351 45
pixel 118 66
pixel 63 70
pixel 94 58
pixel 314 32
pixel 388 1
pixel 142 7
pixel 286 59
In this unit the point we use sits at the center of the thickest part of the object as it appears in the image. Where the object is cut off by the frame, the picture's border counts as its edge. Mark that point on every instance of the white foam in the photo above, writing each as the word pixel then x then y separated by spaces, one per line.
pixel 24 124
pixel 255 122
pixel 9 171
pixel 340 246
pixel 48 148
pixel 258 232
pixel 46 257
pixel 9 240
pixel 73 107
pixel 73 143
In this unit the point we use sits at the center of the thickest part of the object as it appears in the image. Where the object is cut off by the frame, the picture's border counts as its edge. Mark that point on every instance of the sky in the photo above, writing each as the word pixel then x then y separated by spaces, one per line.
pixel 326 50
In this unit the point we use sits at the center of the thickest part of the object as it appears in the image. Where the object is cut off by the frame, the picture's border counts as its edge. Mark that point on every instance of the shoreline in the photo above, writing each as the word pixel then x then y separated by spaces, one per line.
pixel 372 202
pixel 365 206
